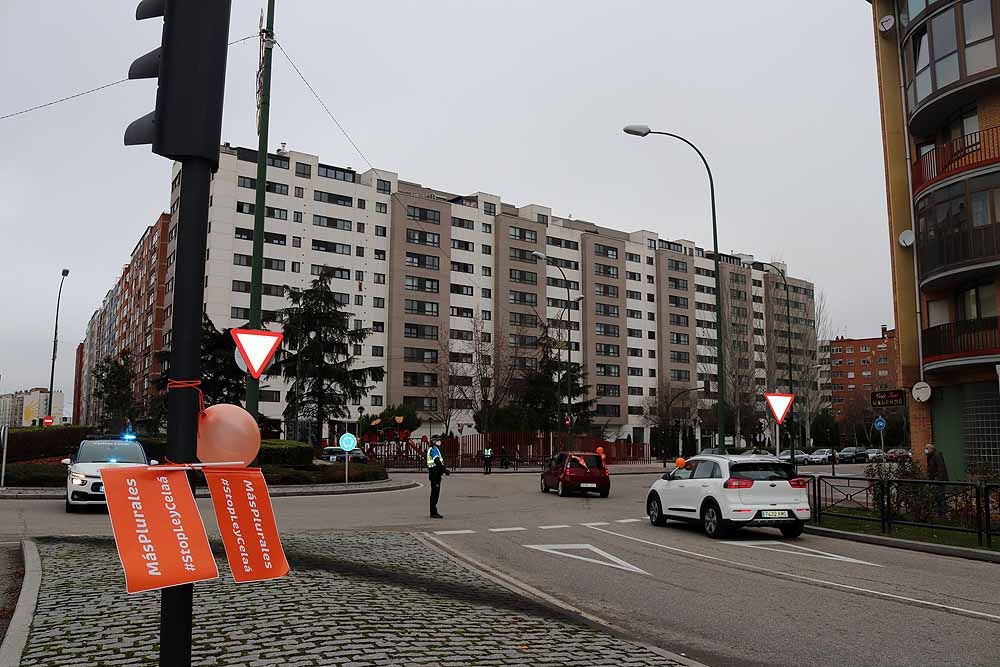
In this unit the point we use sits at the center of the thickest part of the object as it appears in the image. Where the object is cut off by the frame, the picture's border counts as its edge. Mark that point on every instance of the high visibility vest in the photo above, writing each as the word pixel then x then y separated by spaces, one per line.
pixel 487 452
pixel 432 453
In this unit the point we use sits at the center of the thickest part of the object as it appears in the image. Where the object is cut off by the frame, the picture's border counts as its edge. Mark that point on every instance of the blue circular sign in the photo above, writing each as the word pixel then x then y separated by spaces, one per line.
pixel 879 424
pixel 348 442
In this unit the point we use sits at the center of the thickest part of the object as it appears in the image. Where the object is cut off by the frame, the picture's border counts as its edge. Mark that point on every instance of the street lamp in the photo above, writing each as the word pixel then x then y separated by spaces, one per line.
pixel 788 343
pixel 642 131
pixel 569 344
pixel 55 339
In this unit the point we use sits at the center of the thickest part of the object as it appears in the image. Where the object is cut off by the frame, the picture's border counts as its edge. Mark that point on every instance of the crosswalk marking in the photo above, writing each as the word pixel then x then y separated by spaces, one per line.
pixel 453 532
pixel 627 520
pixel 595 523
pixel 558 525
pixel 505 530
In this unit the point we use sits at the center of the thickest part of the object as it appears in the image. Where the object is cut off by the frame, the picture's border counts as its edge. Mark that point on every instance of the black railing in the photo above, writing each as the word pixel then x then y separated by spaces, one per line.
pixel 956 507
pixel 963 337
pixel 941 247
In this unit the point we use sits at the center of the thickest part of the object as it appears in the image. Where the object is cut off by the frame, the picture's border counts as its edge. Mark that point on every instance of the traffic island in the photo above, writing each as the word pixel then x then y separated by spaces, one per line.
pixel 357 598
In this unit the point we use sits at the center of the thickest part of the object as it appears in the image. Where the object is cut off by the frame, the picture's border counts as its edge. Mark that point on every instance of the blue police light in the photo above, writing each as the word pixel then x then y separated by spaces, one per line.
pixel 128 436
pixel 112 460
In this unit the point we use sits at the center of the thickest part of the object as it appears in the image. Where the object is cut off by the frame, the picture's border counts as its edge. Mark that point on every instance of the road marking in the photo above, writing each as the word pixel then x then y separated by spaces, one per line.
pixel 562 549
pixel 769 545
pixel 453 532
pixel 505 530
pixel 822 582
pixel 595 523
pixel 627 520
pixel 558 525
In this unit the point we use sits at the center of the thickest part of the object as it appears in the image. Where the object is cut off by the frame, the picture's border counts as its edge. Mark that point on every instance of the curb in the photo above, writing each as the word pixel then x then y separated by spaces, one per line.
pixel 525 590
pixel 911 545
pixel 20 623
pixel 275 492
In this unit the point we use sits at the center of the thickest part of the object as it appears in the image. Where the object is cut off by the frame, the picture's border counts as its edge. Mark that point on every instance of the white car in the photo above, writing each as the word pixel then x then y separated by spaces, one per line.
pixel 83 483
pixel 727 492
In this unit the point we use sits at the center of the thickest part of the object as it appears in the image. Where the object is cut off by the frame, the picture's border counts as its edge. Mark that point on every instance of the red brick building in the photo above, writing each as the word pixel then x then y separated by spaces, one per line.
pixel 78 385
pixel 860 366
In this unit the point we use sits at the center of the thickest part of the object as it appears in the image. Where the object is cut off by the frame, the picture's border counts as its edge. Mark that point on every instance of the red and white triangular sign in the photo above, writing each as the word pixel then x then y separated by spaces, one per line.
pixel 779 404
pixel 256 348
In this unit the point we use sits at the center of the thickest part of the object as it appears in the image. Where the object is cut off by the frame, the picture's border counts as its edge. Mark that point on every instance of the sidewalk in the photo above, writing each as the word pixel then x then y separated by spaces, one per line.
pixel 59 493
pixel 352 599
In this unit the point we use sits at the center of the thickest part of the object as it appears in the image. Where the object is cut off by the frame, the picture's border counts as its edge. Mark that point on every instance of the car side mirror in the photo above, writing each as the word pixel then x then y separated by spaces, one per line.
pixel 667 476
pixel 66 462
pixel 153 462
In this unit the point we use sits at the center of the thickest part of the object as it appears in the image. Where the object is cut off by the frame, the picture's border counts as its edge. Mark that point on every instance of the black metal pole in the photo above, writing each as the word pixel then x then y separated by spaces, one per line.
pixel 185 364
pixel 55 341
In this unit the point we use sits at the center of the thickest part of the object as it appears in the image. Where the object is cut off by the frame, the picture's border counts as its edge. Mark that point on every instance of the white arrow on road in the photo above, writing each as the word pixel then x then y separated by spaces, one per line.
pixel 769 545
pixel 563 549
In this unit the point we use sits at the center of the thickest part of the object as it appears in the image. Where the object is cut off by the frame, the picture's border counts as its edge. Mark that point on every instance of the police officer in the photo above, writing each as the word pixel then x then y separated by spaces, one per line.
pixel 435 470
pixel 487 461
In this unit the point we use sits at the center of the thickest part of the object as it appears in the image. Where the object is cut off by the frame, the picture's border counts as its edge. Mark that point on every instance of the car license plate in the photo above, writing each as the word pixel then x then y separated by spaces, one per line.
pixel 588 486
pixel 774 514
pixel 98 488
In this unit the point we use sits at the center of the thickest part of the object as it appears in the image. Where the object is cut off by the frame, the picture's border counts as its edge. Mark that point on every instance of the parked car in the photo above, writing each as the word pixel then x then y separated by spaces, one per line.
pixel 897 455
pixel 801 458
pixel 852 455
pixel 576 471
pixel 875 455
pixel 84 487
pixel 728 492
pixel 337 455
pixel 820 456
pixel 755 452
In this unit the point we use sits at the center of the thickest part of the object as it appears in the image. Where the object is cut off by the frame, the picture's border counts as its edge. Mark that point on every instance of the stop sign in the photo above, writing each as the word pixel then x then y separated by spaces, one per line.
pixel 47 420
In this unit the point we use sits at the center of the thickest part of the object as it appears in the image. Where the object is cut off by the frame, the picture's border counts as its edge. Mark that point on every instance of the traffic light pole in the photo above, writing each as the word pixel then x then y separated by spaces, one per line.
pixel 257 262
pixel 185 364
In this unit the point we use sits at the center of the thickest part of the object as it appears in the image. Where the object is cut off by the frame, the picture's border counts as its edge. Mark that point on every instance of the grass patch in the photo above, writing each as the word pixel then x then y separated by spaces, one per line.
pixel 930 535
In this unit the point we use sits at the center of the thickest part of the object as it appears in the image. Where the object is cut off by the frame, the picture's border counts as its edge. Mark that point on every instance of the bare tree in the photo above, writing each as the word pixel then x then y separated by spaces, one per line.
pixel 495 368
pixel 809 396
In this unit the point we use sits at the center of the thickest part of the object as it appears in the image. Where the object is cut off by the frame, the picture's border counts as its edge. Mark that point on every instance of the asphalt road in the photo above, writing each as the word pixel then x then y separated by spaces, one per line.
pixel 752 600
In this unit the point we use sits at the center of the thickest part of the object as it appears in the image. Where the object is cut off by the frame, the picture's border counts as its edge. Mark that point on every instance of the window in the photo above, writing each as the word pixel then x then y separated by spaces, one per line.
pixel 679 338
pixel 379 230
pixel 463 223
pixel 608 350
pixel 977 302
pixel 605 329
pixel 632 294
pixel 487 271
pixel 299 192
pixel 612 390
pixel 632 275
pixel 332 223
pixel 606 310
pixel 523 320
pixel 521 234
pixel 679 301
pixel 678 320
pixel 601 250
pixel 424 331
pixel 297 216
pixel 564 263
pixel 274 264
pixel 679 375
pixel 458 244
pixel 417 284
pixel 458 311
pixel 418 261
pixel 296 267
pixel 608 410
pixel 414 307
pixel 633 314
pixel 677 283
pixel 526 277
pixel 677 265
pixel 329 246
pixel 634 333
pixel 331 198
pixel 423 238
pixel 608 370
pixel 423 214
pixel 379 279
pixel 562 243
pixel 381 207
pixel 522 298
pixel 464 290
pixel 489 208
pixel 980 47
pixel 605 270
pixel 522 341
pixel 945 45
pixel 679 357
pixel 384 187
pixel 611 291
pixel 412 379
pixel 563 303
pixel 303 170
pixel 463 267
pixel 362 204
pixel 335 173
pixel 269 396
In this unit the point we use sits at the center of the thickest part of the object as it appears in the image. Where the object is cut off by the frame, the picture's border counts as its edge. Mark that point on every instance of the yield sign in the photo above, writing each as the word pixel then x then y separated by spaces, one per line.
pixel 256 348
pixel 565 549
pixel 779 404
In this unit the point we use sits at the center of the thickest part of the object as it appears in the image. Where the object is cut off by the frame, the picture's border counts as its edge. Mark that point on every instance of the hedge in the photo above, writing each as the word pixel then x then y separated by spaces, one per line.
pixel 25 444
pixel 285 452
pixel 54 475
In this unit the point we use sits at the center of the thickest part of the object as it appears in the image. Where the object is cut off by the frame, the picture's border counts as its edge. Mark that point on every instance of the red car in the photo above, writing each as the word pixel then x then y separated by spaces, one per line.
pixel 576 471
pixel 896 455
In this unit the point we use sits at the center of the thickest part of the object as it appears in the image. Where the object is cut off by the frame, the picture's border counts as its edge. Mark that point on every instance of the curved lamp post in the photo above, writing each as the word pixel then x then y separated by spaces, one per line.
pixel 642 131
pixel 55 340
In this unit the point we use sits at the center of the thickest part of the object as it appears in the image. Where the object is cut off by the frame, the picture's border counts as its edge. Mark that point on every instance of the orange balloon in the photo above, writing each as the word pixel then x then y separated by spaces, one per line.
pixel 680 462
pixel 600 450
pixel 227 433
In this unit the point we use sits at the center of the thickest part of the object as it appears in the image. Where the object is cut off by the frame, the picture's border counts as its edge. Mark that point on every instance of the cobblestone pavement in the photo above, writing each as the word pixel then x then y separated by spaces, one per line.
pixel 353 599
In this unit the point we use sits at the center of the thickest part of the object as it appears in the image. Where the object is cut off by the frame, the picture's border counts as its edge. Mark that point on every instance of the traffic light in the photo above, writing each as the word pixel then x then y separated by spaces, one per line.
pixel 190 66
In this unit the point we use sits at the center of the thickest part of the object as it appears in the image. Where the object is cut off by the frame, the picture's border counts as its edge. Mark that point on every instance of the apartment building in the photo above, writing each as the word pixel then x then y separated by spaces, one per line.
pixel 444 279
pixel 27 407
pixel 860 366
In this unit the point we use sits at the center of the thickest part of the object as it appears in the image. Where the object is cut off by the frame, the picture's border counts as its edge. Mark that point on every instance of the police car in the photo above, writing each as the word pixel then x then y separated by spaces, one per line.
pixel 83 481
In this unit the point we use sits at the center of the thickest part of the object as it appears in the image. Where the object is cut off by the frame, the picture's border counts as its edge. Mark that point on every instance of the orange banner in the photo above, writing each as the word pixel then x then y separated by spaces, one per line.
pixel 158 531
pixel 246 522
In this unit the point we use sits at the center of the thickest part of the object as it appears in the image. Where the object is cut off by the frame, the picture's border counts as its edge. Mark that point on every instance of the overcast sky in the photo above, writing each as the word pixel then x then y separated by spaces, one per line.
pixel 521 98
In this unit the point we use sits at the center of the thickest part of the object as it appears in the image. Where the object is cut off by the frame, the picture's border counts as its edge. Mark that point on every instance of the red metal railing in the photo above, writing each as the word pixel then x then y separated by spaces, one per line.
pixel 970 151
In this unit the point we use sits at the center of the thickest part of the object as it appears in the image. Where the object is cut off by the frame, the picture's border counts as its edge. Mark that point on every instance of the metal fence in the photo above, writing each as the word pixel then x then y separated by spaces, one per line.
pixel 518 450
pixel 957 507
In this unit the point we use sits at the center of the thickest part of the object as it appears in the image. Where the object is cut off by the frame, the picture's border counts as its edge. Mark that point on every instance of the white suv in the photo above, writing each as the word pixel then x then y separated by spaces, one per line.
pixel 726 492
pixel 84 487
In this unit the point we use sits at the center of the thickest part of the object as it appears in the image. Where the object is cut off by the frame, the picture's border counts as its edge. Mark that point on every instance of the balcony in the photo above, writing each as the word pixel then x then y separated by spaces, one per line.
pixel 950 255
pixel 961 343
pixel 972 151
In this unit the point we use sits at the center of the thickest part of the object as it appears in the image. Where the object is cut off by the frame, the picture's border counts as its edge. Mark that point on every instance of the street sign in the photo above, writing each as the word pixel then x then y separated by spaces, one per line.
pixel 47 420
pixel 921 392
pixel 257 348
pixel 242 365
pixel 879 423
pixel 888 398
pixel 348 441
pixel 779 404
